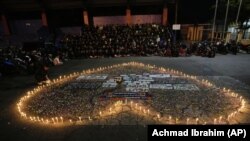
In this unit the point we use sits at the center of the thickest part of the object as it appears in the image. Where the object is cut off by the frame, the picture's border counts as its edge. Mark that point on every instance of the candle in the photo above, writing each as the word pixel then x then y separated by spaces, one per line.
pixel 187 121
pixel 169 118
pixel 158 115
pixel 215 121
pixel 197 120
pixel 220 119
pixel 35 91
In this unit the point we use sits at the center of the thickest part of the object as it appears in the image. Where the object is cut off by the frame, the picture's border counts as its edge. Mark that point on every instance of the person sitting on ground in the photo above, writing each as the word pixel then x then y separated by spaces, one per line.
pixel 182 52
pixel 57 61
pixel 41 74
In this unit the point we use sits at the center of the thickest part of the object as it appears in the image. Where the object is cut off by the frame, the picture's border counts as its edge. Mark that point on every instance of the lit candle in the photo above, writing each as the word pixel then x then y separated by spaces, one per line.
pixel 187 121
pixel 56 119
pixel 197 120
pixel 232 94
pixel 61 119
pixel 220 119
pixel 158 115
pixel 215 121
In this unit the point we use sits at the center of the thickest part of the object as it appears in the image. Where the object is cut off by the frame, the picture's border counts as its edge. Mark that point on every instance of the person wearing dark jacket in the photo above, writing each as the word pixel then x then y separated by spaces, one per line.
pixel 41 74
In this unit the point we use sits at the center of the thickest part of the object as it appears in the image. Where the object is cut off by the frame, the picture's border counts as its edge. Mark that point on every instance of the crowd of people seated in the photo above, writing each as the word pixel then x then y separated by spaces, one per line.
pixel 15 60
pixel 119 40
pixel 137 40
pixel 107 41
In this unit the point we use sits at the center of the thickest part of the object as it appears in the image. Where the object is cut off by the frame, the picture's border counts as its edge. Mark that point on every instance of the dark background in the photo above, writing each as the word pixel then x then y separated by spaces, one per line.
pixel 69 13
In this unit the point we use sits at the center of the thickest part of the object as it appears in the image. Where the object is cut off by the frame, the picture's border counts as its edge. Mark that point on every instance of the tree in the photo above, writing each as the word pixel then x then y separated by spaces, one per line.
pixel 245 10
pixel 233 10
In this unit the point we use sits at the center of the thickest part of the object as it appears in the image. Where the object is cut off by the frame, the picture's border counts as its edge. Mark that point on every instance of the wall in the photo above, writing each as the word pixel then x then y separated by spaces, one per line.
pixel 106 20
pixel 24 30
pixel 76 30
pixel 135 19
pixel 23 27
pixel 197 32
pixel 141 19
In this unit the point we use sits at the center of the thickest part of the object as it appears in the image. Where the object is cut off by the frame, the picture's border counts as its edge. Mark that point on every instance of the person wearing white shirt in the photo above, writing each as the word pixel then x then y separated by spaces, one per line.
pixel 57 61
